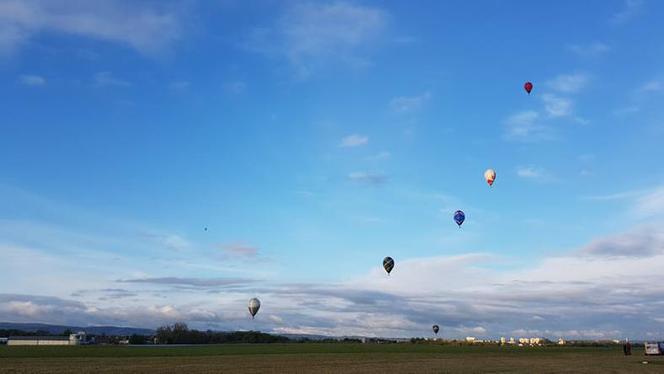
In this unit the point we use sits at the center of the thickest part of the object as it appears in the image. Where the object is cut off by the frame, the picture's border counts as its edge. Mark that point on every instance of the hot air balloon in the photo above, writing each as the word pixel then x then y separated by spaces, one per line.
pixel 459 217
pixel 254 305
pixel 388 264
pixel 435 329
pixel 490 176
pixel 528 87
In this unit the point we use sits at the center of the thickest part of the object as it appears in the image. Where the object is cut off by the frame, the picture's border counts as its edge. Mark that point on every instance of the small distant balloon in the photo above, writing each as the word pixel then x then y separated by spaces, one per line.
pixel 490 176
pixel 436 329
pixel 254 305
pixel 206 229
pixel 459 217
pixel 388 264
pixel 528 87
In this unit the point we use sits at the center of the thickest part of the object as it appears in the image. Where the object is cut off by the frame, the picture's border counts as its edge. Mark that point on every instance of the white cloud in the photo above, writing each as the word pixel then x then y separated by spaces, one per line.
pixel 354 140
pixel 367 177
pixel 557 106
pixel 626 110
pixel 528 172
pixel 615 196
pixel 652 86
pixel 589 50
pixel 144 27
pixel 643 203
pixel 384 155
pixel 630 10
pixel 106 79
pixel 409 103
pixel 173 242
pixel 309 35
pixel 535 173
pixel 569 83
pixel 239 250
pixel 32 80
pixel 607 287
pixel 650 203
pixel 526 126
pixel 584 293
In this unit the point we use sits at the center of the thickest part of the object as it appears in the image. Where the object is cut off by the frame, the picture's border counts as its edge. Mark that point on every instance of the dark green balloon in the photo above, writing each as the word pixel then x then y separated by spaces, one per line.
pixel 388 264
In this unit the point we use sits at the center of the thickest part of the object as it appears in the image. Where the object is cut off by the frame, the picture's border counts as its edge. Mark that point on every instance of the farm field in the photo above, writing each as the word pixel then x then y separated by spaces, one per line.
pixel 324 358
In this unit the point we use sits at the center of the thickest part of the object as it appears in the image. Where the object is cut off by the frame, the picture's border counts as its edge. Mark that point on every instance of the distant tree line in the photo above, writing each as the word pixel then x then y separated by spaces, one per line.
pixel 179 333
pixel 5 333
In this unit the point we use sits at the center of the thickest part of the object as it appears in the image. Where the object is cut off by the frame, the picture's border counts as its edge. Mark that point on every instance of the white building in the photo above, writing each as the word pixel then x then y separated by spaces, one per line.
pixel 470 339
pixel 502 340
pixel 561 341
pixel 73 339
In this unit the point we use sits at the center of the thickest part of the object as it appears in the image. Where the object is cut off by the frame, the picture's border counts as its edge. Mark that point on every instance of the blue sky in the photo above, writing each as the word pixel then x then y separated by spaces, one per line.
pixel 312 139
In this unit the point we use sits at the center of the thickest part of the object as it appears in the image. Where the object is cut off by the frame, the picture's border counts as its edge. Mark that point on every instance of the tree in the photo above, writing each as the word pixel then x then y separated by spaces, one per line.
pixel 137 339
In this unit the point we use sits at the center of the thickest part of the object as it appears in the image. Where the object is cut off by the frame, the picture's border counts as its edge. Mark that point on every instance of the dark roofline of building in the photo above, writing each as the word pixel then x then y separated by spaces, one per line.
pixel 38 338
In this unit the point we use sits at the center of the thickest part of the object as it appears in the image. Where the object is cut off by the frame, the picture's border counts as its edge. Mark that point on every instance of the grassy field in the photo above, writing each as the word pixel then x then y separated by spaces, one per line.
pixel 323 358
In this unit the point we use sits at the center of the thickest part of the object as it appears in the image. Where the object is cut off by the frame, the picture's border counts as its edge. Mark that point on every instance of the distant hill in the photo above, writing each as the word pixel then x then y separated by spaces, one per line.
pixel 91 330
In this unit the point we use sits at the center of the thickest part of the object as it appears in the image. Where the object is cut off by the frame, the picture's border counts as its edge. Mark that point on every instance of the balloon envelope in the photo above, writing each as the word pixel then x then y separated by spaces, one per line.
pixel 388 264
pixel 254 305
pixel 528 87
pixel 459 217
pixel 490 176
pixel 435 329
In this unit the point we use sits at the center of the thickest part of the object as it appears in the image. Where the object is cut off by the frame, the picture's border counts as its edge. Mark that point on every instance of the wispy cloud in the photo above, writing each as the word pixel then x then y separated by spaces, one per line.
pixel 651 203
pixel 384 155
pixel 589 50
pixel 106 79
pixel 526 126
pixel 239 250
pixel 643 203
pixel 556 106
pixel 191 282
pixel 173 242
pixel 145 27
pixel 534 173
pixel 32 80
pixel 354 140
pixel 367 178
pixel 569 83
pixel 615 196
pixel 630 9
pixel 409 103
pixel 309 35
pixel 652 86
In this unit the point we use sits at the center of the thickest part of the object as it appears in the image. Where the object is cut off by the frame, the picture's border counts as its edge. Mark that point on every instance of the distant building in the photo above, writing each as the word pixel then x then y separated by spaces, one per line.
pixel 561 341
pixel 73 339
pixel 502 340
pixel 511 341
pixel 470 339
pixel 3 340
pixel 530 341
